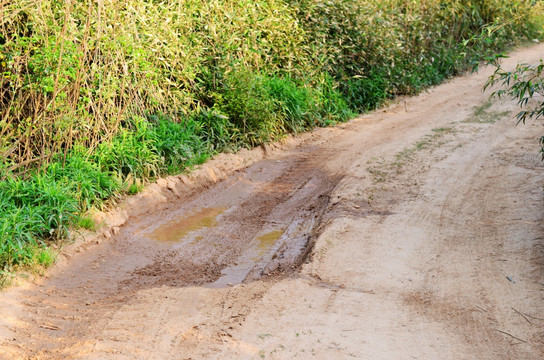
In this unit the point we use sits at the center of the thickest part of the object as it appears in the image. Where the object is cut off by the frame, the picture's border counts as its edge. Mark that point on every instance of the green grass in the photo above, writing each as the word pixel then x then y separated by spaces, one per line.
pixel 482 115
pixel 86 222
pixel 45 257
pixel 381 170
pixel 50 201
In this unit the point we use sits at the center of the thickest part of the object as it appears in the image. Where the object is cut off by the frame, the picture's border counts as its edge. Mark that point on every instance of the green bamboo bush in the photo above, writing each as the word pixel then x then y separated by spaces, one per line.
pixel 96 97
pixel 376 49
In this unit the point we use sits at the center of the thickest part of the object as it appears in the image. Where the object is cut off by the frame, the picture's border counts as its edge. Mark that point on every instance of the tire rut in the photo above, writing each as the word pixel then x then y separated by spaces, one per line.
pixel 289 198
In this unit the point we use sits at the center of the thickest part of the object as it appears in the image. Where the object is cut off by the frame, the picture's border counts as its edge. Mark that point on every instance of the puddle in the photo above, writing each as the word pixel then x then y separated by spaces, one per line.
pixel 268 239
pixel 197 239
pixel 177 229
pixel 254 258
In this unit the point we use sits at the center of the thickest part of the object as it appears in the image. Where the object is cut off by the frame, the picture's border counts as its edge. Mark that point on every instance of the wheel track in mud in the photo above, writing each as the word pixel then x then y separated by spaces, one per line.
pixel 290 197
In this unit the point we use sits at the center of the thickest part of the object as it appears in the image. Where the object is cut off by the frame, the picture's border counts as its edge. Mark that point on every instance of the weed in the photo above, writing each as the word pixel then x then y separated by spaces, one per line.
pixel 133 189
pixel 86 222
pixel 378 175
pixel 297 104
pixel 481 115
pixel 246 103
pixel 381 170
pixel 45 257
pixel 443 130
pixel 6 277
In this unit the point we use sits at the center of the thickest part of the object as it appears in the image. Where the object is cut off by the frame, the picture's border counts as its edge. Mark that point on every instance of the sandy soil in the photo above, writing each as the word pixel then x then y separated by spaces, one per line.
pixel 413 232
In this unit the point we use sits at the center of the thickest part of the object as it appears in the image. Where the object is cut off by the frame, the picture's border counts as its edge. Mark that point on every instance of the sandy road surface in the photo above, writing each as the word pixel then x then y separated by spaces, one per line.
pixel 414 232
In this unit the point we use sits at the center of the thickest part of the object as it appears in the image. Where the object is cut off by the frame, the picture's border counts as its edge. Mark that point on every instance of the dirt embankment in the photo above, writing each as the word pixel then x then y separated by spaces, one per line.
pixel 413 232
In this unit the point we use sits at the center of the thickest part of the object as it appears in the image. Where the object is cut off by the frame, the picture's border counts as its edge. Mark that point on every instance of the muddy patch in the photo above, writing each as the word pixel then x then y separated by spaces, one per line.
pixel 236 239
pixel 177 229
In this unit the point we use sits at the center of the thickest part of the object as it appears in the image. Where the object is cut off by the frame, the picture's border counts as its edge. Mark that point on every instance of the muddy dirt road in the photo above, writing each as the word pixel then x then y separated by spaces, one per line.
pixel 414 232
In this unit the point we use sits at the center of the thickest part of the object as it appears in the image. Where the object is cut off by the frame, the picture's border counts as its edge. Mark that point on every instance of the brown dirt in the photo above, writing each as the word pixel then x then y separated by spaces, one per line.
pixel 413 232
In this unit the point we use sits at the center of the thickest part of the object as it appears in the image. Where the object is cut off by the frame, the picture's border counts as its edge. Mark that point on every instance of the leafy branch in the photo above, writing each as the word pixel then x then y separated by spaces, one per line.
pixel 524 83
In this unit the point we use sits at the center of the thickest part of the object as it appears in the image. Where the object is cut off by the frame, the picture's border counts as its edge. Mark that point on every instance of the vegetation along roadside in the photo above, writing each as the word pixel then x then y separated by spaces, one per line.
pixel 525 85
pixel 96 98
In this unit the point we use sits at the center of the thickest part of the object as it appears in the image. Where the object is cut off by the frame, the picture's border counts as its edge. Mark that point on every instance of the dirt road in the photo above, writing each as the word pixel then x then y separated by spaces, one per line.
pixel 413 232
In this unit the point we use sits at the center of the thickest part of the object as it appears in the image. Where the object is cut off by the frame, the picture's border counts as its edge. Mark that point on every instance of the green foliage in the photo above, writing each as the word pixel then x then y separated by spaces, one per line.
pixel 216 130
pixel 297 104
pixel 242 97
pixel 521 84
pixel 331 103
pixel 376 49
pixel 179 145
pixel 86 222
pixel 33 212
pixel 52 199
pixel 89 182
pixel 74 72
pixel 44 257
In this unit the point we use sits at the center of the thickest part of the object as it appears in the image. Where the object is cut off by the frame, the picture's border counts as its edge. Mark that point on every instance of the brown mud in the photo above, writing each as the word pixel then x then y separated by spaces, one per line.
pixel 413 232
